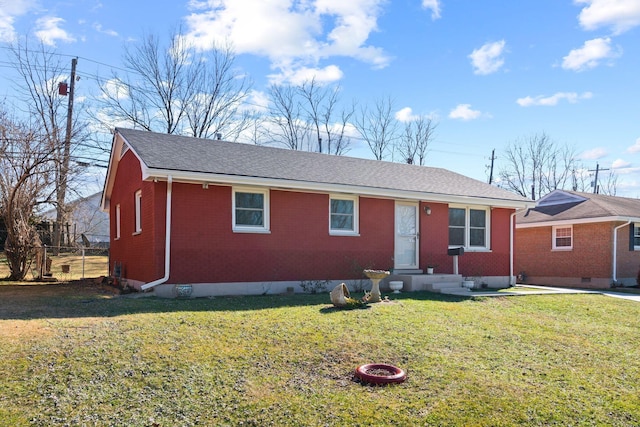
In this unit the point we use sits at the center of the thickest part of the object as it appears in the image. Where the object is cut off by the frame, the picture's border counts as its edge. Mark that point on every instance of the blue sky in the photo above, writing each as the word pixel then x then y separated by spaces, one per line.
pixel 488 72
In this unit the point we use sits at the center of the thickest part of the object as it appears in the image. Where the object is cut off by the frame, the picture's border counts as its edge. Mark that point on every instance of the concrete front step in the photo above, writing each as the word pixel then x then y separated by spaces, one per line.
pixel 445 285
pixel 456 291
pixel 425 282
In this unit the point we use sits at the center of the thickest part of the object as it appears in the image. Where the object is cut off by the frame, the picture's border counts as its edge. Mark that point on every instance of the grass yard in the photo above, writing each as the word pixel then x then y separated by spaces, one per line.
pixel 76 355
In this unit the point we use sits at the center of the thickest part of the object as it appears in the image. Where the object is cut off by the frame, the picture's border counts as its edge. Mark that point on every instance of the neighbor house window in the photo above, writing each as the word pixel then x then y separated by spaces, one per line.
pixel 138 213
pixel 117 221
pixel 469 227
pixel 250 210
pixel 343 215
pixel 563 237
pixel 636 237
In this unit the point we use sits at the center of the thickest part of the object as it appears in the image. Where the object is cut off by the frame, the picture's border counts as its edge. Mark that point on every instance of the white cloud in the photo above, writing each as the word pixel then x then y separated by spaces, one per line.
pixel 594 154
pixel 258 101
pixel 299 75
pixel 49 31
pixel 553 100
pixel 291 34
pixel 434 5
pixel 488 58
pixel 115 89
pixel 620 15
pixel 619 164
pixel 590 55
pixel 464 112
pixel 98 28
pixel 10 10
pixel 635 148
pixel 406 115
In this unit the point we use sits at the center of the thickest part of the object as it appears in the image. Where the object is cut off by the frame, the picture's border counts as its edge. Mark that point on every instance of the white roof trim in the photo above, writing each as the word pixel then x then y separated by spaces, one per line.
pixel 578 221
pixel 197 177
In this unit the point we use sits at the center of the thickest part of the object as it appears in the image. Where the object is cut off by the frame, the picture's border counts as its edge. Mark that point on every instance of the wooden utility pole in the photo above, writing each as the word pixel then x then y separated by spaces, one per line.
pixel 61 191
pixel 596 190
pixel 493 157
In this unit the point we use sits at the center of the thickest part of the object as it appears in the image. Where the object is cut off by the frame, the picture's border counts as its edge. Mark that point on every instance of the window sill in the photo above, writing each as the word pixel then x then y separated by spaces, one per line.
pixel 561 249
pixel 467 249
pixel 344 233
pixel 251 231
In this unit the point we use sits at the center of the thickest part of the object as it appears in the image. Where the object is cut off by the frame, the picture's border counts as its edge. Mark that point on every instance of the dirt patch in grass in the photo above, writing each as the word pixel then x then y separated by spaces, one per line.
pixel 29 290
pixel 43 298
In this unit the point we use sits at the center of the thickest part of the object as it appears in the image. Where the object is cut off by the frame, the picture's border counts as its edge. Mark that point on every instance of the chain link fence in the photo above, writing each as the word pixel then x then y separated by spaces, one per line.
pixel 65 263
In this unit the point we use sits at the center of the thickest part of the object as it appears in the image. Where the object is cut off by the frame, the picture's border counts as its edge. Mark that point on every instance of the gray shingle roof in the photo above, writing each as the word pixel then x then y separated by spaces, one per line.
pixel 204 156
pixel 583 206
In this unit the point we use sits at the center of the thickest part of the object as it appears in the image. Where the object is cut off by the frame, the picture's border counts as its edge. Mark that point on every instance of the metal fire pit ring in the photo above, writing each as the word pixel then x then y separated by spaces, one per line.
pixel 367 373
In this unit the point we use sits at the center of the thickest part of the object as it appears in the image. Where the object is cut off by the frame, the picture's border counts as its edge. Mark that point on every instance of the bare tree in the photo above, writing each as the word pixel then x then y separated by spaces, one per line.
pixel 320 104
pixel 152 93
pixel 177 89
pixel 537 165
pixel 41 70
pixel 418 133
pixel 609 185
pixel 287 124
pixel 338 142
pixel 378 126
pixel 27 165
pixel 214 108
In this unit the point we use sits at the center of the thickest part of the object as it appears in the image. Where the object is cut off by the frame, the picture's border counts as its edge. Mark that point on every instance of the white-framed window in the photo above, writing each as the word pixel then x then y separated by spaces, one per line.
pixel 117 221
pixel 636 237
pixel 562 237
pixel 469 227
pixel 138 212
pixel 250 210
pixel 343 215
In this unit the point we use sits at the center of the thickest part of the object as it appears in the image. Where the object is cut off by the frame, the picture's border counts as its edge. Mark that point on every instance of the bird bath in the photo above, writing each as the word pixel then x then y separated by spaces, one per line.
pixel 375 276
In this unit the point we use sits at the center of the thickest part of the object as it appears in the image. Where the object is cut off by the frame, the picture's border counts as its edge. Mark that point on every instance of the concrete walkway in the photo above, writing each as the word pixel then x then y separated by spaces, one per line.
pixel 520 290
pixel 632 297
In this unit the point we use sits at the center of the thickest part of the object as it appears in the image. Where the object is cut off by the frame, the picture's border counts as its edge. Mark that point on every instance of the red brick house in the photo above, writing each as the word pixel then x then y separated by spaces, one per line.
pixel 579 240
pixel 231 218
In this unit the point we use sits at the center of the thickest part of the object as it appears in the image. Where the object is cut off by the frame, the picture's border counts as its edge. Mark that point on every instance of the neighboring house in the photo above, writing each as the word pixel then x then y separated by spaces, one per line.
pixel 231 218
pixel 86 218
pixel 579 240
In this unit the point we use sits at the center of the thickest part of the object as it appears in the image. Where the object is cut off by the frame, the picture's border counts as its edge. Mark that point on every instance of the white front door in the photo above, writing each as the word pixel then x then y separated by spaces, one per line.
pixel 407 237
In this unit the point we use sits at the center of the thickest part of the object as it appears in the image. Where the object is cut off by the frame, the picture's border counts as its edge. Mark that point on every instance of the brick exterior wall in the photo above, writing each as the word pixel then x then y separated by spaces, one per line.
pixel 141 255
pixel 587 265
pixel 434 243
pixel 298 247
pixel 204 248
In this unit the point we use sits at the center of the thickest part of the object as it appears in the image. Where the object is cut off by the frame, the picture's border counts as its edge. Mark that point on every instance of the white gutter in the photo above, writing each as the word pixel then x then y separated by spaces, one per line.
pixel 615 250
pixel 167 247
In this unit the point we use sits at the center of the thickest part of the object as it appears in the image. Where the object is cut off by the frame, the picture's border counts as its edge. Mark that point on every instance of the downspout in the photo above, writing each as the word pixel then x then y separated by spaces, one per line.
pixel 615 250
pixel 167 245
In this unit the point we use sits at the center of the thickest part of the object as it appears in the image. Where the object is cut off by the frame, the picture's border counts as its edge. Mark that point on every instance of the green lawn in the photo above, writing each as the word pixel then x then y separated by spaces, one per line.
pixel 79 356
